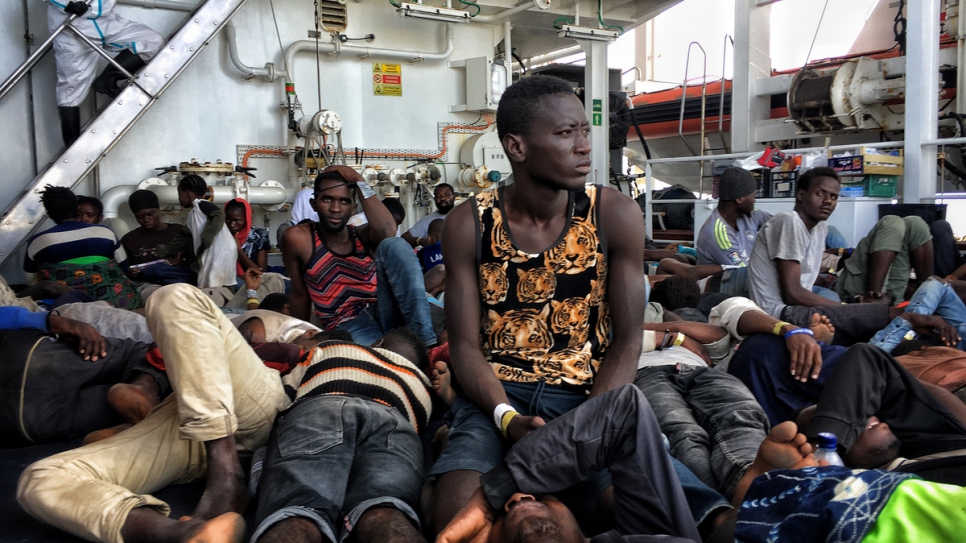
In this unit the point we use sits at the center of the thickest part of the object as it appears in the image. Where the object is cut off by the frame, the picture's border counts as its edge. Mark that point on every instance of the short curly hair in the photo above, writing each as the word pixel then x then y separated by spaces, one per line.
pixel 60 203
pixel 675 292
pixel 519 102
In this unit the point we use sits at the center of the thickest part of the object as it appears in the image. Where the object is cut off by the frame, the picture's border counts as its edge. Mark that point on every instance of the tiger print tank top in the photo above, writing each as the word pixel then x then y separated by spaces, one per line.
pixel 544 316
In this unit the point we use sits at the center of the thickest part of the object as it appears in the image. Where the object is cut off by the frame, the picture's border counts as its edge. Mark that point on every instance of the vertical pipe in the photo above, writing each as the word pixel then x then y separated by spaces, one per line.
pixel 751 62
pixel 922 85
pixel 648 191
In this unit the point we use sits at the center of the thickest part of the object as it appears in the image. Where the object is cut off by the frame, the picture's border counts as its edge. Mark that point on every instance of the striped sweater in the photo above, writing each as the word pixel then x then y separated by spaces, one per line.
pixel 366 372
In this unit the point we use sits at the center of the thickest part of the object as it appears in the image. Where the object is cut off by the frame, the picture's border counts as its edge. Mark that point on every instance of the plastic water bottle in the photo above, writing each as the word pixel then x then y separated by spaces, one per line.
pixel 826 449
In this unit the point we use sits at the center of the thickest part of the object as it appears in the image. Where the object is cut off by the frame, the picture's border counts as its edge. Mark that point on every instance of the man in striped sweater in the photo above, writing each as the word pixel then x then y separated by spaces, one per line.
pixel 346 458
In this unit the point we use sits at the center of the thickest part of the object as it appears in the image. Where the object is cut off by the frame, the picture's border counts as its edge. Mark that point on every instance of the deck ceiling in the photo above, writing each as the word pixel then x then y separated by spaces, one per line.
pixel 534 33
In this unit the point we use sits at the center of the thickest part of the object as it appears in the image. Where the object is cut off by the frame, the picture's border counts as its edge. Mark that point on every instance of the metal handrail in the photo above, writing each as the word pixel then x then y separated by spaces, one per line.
pixel 684 93
pixel 724 64
pixel 28 64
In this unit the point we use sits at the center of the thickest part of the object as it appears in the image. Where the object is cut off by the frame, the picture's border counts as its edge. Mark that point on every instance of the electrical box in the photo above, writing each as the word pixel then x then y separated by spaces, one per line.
pixel 486 80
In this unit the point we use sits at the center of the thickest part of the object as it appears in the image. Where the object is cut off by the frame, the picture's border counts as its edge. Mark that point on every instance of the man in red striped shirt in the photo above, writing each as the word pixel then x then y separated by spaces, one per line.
pixel 362 280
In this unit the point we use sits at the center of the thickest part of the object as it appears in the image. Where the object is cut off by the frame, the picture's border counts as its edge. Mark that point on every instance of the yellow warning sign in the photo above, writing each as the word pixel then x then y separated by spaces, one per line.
pixel 386 79
pixel 382 68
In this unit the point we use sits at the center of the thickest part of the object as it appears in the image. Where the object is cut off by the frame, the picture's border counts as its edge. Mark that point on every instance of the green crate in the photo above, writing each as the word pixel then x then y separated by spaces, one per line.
pixel 881 185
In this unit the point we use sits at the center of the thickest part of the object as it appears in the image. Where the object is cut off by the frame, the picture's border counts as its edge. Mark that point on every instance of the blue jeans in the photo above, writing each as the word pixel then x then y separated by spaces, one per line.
pixel 330 458
pixel 826 293
pixel 932 298
pixel 400 297
pixel 712 421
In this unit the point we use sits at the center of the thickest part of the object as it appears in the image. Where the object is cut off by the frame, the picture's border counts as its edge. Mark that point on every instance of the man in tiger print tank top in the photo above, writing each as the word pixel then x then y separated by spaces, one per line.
pixel 362 280
pixel 546 309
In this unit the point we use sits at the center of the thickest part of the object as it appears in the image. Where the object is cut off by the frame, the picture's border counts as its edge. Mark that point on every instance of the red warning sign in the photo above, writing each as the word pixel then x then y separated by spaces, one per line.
pixel 392 79
pixel 377 78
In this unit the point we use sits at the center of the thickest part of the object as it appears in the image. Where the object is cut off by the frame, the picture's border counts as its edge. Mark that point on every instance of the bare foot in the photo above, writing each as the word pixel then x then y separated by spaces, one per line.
pixel 227 528
pixel 783 448
pixel 134 400
pixel 441 379
pixel 822 327
pixel 225 489
pixel 99 435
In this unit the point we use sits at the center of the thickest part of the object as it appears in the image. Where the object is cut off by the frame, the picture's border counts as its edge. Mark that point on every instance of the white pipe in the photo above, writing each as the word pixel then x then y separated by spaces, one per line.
pixel 114 197
pixel 160 4
pixel 507 12
pixel 365 52
pixel 168 194
pixel 268 72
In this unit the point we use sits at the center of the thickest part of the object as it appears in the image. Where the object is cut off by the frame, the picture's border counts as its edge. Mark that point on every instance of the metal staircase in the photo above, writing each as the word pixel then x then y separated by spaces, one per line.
pixel 26 213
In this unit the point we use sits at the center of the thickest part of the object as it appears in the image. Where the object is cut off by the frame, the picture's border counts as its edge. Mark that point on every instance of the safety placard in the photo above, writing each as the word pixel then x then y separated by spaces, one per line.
pixel 386 79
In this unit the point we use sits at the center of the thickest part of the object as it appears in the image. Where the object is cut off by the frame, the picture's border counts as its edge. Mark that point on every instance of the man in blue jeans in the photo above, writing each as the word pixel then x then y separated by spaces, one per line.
pixel 362 280
pixel 345 459
pixel 544 292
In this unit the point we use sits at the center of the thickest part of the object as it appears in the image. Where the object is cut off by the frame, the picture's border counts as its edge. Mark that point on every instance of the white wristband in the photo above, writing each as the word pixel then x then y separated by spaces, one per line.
pixel 650 341
pixel 498 413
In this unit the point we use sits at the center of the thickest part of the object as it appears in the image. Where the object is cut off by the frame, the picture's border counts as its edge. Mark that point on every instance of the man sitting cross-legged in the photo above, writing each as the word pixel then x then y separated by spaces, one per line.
pixel 616 431
pixel 361 280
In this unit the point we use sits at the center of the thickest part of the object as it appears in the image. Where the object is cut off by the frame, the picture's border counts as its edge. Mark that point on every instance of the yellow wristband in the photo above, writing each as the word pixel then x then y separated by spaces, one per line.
pixel 679 339
pixel 777 331
pixel 505 421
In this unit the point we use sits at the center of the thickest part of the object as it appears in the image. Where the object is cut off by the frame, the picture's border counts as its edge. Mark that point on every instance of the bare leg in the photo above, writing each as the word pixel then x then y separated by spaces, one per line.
pixel 225 489
pixel 452 492
pixel 134 400
pixel 293 530
pixel 149 526
pixel 385 525
pixel 784 448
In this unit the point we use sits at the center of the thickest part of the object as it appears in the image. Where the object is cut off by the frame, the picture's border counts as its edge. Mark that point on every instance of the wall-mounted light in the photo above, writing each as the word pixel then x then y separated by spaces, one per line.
pixel 422 11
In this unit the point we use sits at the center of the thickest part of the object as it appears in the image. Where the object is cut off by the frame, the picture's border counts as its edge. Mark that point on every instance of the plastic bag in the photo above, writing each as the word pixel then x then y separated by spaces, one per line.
pixel 218 261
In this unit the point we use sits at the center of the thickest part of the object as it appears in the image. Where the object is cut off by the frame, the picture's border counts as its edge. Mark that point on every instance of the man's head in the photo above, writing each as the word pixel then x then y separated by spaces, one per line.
pixel 333 201
pixel 190 188
pixel 532 520
pixel 236 216
pixel 90 210
pixel 817 193
pixel 675 292
pixel 544 130
pixel 406 344
pixel 444 198
pixel 146 208
pixel 59 203
pixel 738 185
pixel 311 339
pixel 435 231
pixel 876 447
pixel 395 209
pixel 277 302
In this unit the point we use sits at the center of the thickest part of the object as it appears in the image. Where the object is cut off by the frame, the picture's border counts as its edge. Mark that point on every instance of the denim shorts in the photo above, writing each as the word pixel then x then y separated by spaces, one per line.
pixel 475 444
pixel 330 458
